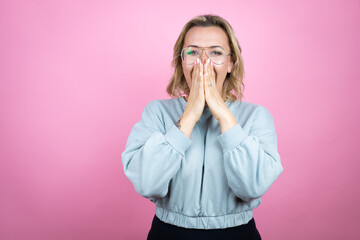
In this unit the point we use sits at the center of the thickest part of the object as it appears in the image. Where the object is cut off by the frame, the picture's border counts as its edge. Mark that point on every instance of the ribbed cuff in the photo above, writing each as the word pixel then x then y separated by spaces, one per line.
pixel 232 137
pixel 178 140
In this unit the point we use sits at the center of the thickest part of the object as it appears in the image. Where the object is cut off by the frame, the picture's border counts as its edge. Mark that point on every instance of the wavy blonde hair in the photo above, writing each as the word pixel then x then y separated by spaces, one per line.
pixel 233 85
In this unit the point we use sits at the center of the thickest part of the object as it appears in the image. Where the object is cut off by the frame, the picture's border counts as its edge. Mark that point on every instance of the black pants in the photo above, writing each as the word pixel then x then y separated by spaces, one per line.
pixel 164 231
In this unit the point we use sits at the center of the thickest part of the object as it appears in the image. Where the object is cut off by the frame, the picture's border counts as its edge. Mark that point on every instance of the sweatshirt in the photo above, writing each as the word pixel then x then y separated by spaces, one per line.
pixel 211 180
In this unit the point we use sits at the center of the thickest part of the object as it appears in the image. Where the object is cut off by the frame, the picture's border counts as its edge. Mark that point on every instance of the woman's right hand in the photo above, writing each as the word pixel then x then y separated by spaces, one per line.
pixel 195 102
pixel 196 99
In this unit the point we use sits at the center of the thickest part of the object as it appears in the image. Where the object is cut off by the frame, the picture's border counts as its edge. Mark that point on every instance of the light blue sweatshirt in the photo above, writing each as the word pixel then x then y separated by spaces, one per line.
pixel 212 180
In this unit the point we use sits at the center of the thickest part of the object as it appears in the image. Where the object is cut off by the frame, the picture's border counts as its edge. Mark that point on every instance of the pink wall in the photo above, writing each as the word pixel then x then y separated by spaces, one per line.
pixel 69 72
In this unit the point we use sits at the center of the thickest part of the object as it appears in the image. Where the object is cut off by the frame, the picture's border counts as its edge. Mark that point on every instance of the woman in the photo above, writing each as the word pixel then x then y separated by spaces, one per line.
pixel 204 157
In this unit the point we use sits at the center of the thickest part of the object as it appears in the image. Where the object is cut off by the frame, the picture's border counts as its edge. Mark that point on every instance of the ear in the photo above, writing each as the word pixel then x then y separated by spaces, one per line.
pixel 230 66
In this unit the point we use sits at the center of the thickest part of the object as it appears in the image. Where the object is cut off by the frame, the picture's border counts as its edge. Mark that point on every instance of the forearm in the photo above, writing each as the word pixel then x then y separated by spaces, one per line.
pixel 150 165
pixel 250 168
pixel 251 160
pixel 227 121
pixel 186 125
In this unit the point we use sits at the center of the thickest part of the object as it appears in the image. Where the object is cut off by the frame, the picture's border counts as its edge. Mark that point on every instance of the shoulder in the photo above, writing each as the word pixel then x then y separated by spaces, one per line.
pixel 161 109
pixel 248 107
pixel 163 102
pixel 253 113
pixel 161 105
pixel 161 112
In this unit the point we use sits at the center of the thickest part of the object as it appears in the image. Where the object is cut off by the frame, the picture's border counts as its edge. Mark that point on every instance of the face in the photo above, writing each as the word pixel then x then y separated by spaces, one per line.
pixel 208 37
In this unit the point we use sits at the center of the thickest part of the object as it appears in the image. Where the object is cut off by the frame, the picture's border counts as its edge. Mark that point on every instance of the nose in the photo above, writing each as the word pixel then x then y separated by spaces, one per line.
pixel 203 57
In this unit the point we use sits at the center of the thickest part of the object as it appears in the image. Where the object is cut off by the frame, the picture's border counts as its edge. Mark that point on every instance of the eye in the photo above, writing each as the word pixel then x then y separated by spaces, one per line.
pixel 192 52
pixel 216 53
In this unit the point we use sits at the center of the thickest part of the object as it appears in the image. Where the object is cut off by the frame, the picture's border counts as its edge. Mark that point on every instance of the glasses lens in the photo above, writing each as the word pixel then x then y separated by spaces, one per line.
pixel 190 54
pixel 216 55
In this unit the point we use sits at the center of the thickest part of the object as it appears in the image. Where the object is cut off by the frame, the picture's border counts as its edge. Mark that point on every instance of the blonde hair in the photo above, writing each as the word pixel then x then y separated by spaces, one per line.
pixel 233 85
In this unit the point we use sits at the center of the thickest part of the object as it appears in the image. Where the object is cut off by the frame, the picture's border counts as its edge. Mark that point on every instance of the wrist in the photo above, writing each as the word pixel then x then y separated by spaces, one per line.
pixel 227 121
pixel 187 119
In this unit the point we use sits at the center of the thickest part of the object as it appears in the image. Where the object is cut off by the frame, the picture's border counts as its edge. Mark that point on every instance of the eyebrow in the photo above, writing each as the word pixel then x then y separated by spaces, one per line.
pixel 214 46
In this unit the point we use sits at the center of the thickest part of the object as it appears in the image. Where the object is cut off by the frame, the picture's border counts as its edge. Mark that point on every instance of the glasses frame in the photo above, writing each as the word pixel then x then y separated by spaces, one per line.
pixel 202 49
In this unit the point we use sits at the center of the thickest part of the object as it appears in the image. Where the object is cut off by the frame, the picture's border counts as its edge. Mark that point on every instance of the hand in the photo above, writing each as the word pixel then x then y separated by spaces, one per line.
pixel 214 100
pixel 212 96
pixel 196 100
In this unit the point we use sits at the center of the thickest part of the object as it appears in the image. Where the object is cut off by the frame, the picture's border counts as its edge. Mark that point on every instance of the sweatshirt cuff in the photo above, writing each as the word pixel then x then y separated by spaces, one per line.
pixel 177 140
pixel 232 137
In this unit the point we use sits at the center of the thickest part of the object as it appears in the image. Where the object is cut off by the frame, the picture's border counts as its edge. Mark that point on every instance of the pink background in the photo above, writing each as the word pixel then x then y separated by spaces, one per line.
pixel 76 75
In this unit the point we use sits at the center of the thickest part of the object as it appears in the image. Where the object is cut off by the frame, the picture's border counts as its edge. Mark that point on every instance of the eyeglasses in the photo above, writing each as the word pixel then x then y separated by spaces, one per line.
pixel 216 54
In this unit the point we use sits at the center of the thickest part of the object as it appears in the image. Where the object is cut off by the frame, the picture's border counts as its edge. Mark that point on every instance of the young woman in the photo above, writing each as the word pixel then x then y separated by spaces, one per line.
pixel 204 157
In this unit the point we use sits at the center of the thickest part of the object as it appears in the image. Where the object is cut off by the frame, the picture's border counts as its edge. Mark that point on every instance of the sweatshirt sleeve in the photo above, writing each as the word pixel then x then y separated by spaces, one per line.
pixel 152 156
pixel 251 161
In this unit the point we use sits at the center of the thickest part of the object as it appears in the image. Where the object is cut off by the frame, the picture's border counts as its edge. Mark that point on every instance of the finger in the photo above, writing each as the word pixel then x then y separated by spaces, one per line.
pixel 207 75
pixel 198 78
pixel 201 73
pixel 195 74
pixel 212 74
pixel 195 69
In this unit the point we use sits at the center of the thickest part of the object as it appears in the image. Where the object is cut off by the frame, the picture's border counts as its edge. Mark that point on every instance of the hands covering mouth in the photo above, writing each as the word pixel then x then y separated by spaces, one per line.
pixel 204 91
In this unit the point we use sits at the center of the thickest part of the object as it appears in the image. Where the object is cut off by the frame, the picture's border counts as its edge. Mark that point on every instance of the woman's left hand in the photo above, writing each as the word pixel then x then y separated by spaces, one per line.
pixel 214 100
